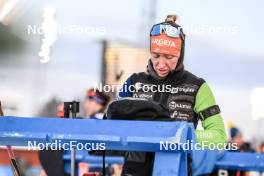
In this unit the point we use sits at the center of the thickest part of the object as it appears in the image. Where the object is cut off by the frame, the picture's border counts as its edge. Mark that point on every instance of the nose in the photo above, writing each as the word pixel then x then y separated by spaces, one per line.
pixel 161 63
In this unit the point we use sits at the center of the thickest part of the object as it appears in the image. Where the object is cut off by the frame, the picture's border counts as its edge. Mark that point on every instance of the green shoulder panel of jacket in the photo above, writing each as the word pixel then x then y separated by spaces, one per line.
pixel 214 129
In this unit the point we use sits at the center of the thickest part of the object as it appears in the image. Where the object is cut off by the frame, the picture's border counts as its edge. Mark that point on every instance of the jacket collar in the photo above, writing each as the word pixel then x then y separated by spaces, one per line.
pixel 176 74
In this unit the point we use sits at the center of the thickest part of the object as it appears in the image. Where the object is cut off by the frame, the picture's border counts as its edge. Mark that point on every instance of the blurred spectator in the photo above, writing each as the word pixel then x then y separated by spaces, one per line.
pixel 237 138
pixel 95 103
pixel 60 110
pixel 49 109
pixel 261 148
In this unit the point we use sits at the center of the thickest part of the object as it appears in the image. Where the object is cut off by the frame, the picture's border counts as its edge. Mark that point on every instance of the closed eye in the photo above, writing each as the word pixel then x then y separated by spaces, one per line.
pixel 155 55
pixel 169 57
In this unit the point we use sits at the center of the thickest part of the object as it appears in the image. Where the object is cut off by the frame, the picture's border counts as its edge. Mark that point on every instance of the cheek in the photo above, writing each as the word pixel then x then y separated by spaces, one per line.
pixel 154 62
pixel 87 104
pixel 172 64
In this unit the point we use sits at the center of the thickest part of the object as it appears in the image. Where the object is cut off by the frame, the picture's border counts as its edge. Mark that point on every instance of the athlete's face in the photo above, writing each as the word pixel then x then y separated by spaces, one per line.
pixel 163 63
pixel 91 107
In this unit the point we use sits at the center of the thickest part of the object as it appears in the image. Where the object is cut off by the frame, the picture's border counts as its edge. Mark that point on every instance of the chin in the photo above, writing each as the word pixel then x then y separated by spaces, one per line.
pixel 162 76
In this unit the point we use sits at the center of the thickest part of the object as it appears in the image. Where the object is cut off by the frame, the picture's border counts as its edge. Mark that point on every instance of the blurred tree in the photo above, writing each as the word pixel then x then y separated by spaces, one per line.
pixel 8 41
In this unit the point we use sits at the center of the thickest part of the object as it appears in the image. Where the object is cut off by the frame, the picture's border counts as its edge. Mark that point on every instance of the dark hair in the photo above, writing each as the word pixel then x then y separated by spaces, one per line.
pixel 102 96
